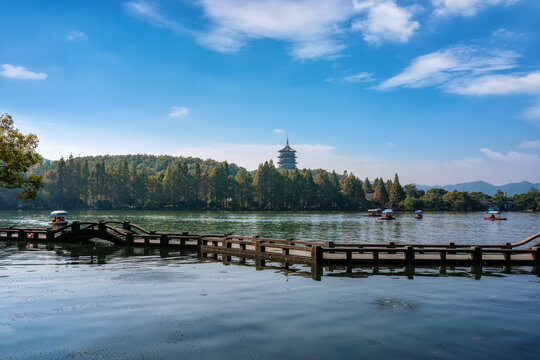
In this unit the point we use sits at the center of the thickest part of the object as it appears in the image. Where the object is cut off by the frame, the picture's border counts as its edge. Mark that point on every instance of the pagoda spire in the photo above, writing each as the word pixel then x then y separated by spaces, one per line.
pixel 287 140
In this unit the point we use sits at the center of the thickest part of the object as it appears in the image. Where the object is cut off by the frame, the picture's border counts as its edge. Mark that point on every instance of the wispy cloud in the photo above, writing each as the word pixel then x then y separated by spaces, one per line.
pixel 75 36
pixel 280 131
pixel 151 13
pixel 511 156
pixel 498 84
pixel 529 144
pixel 20 72
pixel 444 66
pixel 179 112
pixel 532 113
pixel 466 162
pixel 359 78
pixel 464 7
pixel 385 21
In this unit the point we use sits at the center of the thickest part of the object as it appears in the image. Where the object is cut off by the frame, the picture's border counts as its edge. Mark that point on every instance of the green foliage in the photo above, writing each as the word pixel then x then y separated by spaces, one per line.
pixel 412 203
pixel 396 194
pixel 17 155
pixel 368 189
pixel 433 199
pixel 380 196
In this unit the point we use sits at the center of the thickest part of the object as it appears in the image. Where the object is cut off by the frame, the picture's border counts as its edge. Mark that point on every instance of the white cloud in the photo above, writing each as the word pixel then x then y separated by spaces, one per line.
pixel 455 62
pixel 179 112
pixel 532 144
pixel 280 131
pixel 313 28
pixel 532 113
pixel 20 72
pixel 151 13
pixel 498 84
pixel 359 78
pixel 385 21
pixel 75 35
pixel 505 34
pixel 511 156
pixel 464 7
pixel 309 25
pixel 466 162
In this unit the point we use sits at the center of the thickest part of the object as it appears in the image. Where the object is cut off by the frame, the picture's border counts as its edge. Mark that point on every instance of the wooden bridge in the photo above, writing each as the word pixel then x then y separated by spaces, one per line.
pixel 288 251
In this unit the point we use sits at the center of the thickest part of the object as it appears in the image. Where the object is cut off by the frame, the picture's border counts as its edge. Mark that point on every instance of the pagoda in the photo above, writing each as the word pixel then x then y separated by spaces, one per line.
pixel 287 157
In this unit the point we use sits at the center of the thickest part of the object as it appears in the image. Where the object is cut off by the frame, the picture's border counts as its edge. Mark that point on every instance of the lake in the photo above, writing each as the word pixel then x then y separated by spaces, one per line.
pixel 103 302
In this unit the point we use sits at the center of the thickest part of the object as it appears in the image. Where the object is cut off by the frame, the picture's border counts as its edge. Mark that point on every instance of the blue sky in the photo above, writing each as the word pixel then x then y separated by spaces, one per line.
pixel 441 91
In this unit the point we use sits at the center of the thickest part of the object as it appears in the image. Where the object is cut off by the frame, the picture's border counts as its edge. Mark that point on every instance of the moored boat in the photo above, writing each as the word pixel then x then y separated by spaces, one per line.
pixel 373 213
pixel 387 214
pixel 493 216
pixel 418 214
pixel 59 218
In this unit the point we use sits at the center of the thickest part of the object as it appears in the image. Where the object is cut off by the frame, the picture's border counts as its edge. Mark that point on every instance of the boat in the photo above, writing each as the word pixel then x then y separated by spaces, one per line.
pixel 418 214
pixel 387 214
pixel 59 218
pixel 493 216
pixel 373 213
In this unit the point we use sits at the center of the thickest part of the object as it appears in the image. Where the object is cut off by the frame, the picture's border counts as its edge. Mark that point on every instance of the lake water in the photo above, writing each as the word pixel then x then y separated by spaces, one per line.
pixel 86 302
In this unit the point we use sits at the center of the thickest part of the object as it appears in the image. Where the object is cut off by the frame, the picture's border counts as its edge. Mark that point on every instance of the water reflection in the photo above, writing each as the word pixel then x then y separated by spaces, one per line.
pixel 104 253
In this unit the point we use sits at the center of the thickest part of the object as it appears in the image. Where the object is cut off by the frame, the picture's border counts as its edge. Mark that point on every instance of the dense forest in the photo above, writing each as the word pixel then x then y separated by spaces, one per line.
pixel 166 182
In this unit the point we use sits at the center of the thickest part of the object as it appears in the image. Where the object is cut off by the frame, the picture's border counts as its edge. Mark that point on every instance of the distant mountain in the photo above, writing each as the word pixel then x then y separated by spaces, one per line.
pixel 486 188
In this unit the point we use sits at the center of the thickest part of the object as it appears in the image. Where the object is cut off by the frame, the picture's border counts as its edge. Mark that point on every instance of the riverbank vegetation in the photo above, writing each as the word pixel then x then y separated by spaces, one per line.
pixel 167 182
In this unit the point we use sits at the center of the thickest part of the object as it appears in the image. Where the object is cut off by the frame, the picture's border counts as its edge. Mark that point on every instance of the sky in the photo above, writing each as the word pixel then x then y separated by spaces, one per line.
pixel 439 91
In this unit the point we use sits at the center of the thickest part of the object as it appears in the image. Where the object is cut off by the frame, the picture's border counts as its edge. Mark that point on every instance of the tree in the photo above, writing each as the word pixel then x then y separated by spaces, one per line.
pixel 396 195
pixel 499 199
pixel 380 196
pixel 368 189
pixel 433 199
pixel 17 155
pixel 412 203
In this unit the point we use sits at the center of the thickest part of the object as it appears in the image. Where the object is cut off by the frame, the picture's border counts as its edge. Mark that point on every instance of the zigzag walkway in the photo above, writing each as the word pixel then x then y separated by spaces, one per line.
pixel 288 251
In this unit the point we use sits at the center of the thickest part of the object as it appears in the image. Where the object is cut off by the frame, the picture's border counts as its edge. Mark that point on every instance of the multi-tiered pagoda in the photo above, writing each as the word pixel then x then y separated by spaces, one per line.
pixel 287 157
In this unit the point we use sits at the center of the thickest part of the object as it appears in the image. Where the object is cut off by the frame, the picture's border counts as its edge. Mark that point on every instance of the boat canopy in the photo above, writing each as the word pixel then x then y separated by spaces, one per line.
pixel 59 213
pixel 494 212
pixel 418 212
pixel 388 211
pixel 374 210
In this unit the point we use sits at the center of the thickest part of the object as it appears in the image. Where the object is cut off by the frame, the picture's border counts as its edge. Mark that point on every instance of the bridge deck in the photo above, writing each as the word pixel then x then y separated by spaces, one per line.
pixel 286 250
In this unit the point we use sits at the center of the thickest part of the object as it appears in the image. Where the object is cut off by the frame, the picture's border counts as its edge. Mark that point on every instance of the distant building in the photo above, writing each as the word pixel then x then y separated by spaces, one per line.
pixel 287 157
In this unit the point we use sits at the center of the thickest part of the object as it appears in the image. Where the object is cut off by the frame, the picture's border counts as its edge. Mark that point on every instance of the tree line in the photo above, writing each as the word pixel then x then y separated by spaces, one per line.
pixel 166 182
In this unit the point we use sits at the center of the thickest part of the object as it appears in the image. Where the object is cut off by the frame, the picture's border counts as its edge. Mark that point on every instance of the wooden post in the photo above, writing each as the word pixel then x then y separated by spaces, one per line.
pixel 317 254
pixel 129 238
pixel 285 251
pixel 102 227
pixel 20 234
pixel 330 245
pixel 164 240
pixel 391 244
pixel 50 234
pixel 75 226
pixel 476 255
pixel 348 254
pixel 536 254
pixel 507 256
pixel 451 245
pixel 127 225
pixel 442 254
pixel 409 254
pixel 375 254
